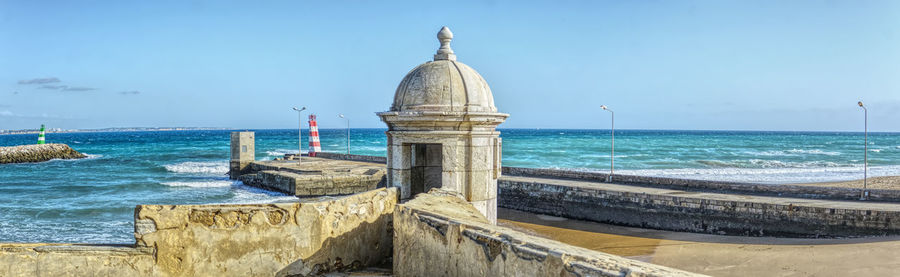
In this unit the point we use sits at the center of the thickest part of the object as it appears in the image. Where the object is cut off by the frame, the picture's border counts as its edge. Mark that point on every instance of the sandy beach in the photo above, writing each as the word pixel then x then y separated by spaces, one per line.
pixel 720 255
pixel 884 182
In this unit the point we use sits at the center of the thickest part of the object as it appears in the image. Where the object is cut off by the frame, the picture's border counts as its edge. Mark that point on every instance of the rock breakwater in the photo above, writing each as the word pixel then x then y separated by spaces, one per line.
pixel 37 153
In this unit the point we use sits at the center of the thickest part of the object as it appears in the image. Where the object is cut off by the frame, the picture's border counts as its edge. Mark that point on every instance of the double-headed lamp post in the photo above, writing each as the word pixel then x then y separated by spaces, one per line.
pixel 865 193
pixel 299 132
pixel 612 153
pixel 348 132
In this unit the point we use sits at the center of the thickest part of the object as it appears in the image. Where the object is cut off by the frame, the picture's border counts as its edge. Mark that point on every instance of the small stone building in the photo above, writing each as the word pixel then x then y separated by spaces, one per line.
pixel 442 132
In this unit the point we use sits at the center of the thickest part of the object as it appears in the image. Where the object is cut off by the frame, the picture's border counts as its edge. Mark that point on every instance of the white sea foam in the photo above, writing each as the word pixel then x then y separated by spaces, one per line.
pixel 875 150
pixel 198 167
pixel 200 184
pixel 280 152
pixel 794 152
pixel 89 157
pixel 244 194
pixel 759 163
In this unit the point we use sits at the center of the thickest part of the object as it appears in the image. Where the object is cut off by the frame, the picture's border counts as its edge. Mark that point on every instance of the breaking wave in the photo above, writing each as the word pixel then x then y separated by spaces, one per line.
pixel 200 184
pixel 794 152
pixel 768 175
pixel 198 167
pixel 758 163
pixel 281 152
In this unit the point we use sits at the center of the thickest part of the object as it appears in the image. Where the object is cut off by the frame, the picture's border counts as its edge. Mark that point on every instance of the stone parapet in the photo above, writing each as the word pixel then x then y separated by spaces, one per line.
pixel 33 153
pixel 440 234
pixel 281 239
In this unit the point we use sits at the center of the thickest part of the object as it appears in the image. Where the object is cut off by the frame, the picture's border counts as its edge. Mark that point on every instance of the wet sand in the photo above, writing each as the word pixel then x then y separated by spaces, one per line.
pixel 885 182
pixel 720 255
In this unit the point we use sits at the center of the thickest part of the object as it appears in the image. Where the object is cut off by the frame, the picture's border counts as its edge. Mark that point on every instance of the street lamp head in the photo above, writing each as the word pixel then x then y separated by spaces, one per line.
pixel 603 107
pixel 341 115
pixel 860 103
pixel 300 109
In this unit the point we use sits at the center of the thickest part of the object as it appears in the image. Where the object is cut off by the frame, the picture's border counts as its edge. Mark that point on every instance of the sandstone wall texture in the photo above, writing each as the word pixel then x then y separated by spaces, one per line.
pixel 439 234
pixel 59 259
pixel 37 153
pixel 284 239
pixel 694 214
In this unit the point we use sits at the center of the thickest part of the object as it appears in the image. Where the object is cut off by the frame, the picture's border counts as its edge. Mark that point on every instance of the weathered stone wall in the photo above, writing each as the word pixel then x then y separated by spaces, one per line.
pixel 37 153
pixel 297 239
pixel 680 213
pixel 712 186
pixel 439 234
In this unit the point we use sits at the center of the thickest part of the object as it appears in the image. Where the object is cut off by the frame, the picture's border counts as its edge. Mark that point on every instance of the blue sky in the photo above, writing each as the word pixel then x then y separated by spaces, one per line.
pixel 729 65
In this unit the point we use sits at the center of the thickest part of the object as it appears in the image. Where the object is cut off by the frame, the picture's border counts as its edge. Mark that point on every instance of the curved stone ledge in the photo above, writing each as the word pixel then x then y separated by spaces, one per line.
pixel 456 240
pixel 33 153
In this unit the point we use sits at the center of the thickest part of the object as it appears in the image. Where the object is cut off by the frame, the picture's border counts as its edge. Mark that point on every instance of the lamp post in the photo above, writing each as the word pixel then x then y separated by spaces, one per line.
pixel 612 152
pixel 299 132
pixel 348 132
pixel 865 193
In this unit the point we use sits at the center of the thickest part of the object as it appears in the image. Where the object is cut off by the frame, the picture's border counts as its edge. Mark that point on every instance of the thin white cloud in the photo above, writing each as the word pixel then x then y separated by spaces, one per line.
pixel 38 81
pixel 10 114
pixel 78 89
pixel 66 88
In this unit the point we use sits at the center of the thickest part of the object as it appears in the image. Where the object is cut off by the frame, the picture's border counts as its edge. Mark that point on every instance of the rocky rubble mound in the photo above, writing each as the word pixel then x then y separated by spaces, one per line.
pixel 37 153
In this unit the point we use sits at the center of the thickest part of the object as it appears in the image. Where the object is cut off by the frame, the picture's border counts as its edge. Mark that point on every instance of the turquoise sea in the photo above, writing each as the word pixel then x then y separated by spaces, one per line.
pixel 92 200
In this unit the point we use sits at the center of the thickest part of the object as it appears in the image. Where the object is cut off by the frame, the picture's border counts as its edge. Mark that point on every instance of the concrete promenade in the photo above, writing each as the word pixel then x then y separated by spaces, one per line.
pixel 785 201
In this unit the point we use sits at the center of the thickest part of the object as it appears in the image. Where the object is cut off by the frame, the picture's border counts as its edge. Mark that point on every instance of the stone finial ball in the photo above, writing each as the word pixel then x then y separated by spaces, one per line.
pixel 445 33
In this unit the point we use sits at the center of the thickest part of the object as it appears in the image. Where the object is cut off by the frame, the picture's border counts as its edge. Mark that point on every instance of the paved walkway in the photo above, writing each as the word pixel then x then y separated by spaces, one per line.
pixel 818 203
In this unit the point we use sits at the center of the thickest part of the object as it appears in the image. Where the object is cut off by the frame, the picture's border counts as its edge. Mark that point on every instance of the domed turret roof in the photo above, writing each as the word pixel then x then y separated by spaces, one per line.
pixel 443 85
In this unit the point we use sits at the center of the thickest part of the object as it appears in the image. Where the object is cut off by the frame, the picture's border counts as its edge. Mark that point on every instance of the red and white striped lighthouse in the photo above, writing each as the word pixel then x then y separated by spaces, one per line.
pixel 314 145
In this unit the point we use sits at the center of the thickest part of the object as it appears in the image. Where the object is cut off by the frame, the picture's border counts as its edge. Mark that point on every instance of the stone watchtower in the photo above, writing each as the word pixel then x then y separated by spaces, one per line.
pixel 442 132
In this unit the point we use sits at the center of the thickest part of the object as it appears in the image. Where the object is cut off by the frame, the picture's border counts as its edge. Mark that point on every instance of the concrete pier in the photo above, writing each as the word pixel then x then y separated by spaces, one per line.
pixel 315 176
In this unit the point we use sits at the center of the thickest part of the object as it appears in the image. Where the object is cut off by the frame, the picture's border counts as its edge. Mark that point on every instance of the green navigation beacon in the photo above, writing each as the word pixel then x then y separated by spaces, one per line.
pixel 41 135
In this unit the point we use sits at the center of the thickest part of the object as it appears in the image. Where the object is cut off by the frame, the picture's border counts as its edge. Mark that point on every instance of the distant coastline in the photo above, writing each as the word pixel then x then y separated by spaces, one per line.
pixel 120 129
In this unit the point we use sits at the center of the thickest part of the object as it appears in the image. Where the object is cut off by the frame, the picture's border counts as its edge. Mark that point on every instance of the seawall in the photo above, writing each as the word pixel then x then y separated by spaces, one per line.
pixel 37 153
pixel 812 192
pixel 699 212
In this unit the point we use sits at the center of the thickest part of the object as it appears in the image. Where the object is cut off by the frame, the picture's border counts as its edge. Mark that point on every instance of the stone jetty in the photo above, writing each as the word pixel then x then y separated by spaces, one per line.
pixel 37 153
